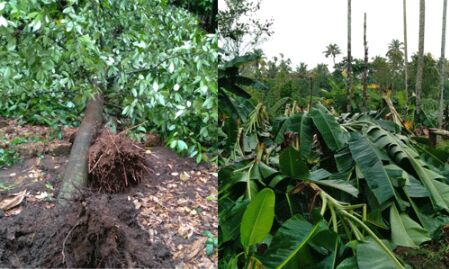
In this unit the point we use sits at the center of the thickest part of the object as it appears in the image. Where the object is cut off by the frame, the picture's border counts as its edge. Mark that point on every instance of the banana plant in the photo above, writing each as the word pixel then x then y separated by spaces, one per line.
pixel 346 194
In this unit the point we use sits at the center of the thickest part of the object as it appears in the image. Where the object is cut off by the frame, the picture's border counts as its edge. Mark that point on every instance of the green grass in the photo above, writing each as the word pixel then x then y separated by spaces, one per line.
pixel 8 157
pixel 4 187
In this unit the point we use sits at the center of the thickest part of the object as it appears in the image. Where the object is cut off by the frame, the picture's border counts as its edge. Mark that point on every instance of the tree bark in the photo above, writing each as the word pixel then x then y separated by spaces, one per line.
pixel 405 51
pixel 349 102
pixel 443 65
pixel 76 171
pixel 419 73
pixel 310 96
pixel 365 73
pixel 441 132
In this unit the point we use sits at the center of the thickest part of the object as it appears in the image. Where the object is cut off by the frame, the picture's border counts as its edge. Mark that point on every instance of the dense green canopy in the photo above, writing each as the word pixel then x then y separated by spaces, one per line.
pixel 150 59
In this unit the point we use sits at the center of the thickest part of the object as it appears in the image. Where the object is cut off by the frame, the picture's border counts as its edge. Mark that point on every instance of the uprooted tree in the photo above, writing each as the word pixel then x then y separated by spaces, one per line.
pixel 138 59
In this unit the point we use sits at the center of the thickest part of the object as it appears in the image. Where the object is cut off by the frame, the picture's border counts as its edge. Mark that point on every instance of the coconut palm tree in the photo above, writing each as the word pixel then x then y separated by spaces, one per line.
pixel 332 50
pixel 405 50
pixel 348 105
pixel 443 63
pixel 396 61
pixel 420 67
pixel 394 53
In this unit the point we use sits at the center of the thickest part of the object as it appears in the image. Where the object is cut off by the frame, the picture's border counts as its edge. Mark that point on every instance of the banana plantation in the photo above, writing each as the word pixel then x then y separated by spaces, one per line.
pixel 321 169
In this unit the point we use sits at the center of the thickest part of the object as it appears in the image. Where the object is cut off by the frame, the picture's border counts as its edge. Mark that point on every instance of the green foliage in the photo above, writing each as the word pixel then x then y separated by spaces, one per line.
pixel 235 104
pixel 360 188
pixel 257 219
pixel 151 61
pixel 8 157
pixel 370 255
pixel 240 29
pixel 206 10
pixel 4 187
pixel 291 237
pixel 211 243
pixel 431 76
pixel 291 164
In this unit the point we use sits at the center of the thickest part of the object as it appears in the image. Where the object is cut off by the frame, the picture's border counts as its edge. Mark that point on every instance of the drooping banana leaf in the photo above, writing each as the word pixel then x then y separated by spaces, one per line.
pixel 371 167
pixel 257 219
pixel 230 218
pixel 344 160
pixel 288 241
pixel 292 165
pixel 332 133
pixel 405 231
pixel 427 178
pixel 327 242
pixel 371 256
pixel 348 263
pixel 401 152
pixel 415 189
pixel 321 176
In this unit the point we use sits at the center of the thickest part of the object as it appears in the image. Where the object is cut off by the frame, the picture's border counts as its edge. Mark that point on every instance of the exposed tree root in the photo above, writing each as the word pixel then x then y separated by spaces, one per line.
pixel 115 162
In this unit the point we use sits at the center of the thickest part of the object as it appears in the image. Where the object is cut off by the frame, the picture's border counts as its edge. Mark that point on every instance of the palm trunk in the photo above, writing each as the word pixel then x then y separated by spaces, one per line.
pixel 405 51
pixel 419 73
pixel 365 73
pixel 443 63
pixel 310 96
pixel 349 102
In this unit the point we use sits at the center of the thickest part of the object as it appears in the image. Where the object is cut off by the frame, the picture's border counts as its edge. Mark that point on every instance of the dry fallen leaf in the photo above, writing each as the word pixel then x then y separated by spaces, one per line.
pixel 184 176
pixel 185 230
pixel 12 200
pixel 42 195
pixel 14 211
pixel 196 248
pixel 137 204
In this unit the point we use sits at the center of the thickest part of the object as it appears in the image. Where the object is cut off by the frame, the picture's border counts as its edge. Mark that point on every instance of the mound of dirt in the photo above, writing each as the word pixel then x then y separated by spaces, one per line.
pixel 115 162
pixel 98 232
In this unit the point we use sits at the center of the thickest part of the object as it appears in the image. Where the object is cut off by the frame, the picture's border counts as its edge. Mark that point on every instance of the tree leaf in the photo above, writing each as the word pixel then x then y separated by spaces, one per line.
pixel 257 219
pixel 329 242
pixel 405 231
pixel 371 167
pixel 339 185
pixel 306 136
pixel 371 255
pixel 428 180
pixel 331 132
pixel 291 164
pixel 230 218
pixel 288 241
pixel 348 263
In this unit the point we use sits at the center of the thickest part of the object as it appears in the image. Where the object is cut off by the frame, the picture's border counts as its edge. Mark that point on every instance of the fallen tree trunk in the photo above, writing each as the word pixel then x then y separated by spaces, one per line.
pixel 76 171
pixel 433 135
pixel 439 132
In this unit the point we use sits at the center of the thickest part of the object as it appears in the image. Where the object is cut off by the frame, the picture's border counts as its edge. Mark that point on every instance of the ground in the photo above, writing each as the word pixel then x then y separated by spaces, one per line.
pixel 171 215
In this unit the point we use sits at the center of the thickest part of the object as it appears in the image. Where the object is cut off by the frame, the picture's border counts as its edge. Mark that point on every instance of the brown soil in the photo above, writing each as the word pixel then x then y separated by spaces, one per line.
pixel 100 232
pixel 158 222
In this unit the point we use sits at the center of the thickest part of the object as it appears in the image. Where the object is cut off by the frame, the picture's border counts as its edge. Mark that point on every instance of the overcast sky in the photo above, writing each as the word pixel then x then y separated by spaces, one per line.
pixel 303 28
